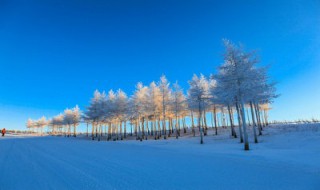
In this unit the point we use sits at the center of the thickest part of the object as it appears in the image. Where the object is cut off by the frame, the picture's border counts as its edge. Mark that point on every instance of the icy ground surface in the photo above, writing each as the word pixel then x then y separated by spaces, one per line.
pixel 286 158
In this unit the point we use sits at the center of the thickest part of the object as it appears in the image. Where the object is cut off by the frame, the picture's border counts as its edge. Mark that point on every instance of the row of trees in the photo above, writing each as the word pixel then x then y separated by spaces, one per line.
pixel 161 109
pixel 60 124
pixel 37 125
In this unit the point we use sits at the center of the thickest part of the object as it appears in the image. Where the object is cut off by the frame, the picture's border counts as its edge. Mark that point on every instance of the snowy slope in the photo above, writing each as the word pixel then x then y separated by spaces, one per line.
pixel 286 158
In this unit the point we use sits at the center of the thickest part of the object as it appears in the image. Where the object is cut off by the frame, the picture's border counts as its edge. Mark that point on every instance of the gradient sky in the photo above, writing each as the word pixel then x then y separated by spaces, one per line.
pixel 54 54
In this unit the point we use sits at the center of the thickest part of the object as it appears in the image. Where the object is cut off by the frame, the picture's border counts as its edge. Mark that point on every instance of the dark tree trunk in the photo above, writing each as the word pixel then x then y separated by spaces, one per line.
pixel 253 124
pixel 215 119
pixel 258 119
pixel 233 132
pixel 239 123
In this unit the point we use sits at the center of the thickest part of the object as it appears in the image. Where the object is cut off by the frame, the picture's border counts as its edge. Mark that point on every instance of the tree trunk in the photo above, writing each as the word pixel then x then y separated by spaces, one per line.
pixel 87 129
pixel 171 121
pixel 265 113
pixel 215 119
pixel 261 117
pixel 184 125
pixel 69 130
pixel 212 123
pixel 121 135
pixel 258 119
pixel 92 129
pixel 248 116
pixel 125 129
pixel 223 118
pixel 74 130
pixel 179 125
pixel 136 129
pixel 253 124
pixel 109 131
pixel 205 120
pixel 164 116
pixel 233 132
pixel 159 128
pixel 99 132
pixel 117 130
pixel 131 129
pixel 199 123
pixel 155 128
pixel 147 128
pixel 246 142
pixel 164 129
pixel 143 134
pixel 140 129
pixel 239 123
pixel 176 127
pixel 192 121
pixel 152 127
pixel 97 129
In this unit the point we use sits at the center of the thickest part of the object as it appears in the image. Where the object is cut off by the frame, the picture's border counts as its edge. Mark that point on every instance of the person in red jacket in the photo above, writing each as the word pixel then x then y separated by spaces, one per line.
pixel 3 131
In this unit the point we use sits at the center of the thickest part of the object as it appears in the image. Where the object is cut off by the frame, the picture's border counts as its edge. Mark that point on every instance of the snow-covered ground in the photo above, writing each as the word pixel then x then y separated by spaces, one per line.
pixel 287 157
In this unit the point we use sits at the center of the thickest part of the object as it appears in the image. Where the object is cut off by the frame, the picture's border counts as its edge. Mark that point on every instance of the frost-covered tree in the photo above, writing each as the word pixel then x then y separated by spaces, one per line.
pixel 30 124
pixel 240 79
pixel 108 109
pixel 220 96
pixel 41 123
pixel 68 120
pixel 154 102
pixel 260 92
pixel 265 109
pixel 88 121
pixel 53 126
pixel 179 105
pixel 198 94
pixel 139 99
pixel 76 116
pixel 105 112
pixel 214 102
pixel 121 104
pixel 59 122
pixel 95 111
pixel 193 108
pixel 132 116
pixel 233 78
pixel 165 93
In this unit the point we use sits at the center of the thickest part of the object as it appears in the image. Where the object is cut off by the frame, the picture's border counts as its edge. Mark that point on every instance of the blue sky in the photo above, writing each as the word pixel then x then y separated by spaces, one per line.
pixel 54 54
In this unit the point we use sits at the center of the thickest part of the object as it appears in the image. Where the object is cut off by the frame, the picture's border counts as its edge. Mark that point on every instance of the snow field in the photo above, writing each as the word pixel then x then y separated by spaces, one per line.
pixel 287 157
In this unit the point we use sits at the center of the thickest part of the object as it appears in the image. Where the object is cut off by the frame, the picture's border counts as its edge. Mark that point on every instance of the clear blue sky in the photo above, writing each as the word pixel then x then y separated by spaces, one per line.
pixel 54 54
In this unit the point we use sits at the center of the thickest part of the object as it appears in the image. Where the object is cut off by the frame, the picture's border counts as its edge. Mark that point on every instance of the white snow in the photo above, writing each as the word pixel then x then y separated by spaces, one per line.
pixel 287 157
